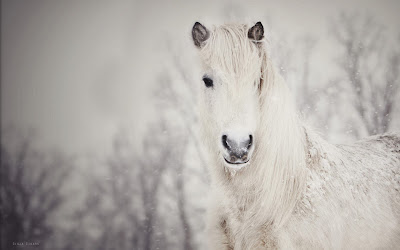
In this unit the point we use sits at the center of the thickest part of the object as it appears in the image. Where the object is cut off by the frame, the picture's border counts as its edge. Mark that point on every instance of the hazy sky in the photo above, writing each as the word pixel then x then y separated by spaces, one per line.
pixel 78 70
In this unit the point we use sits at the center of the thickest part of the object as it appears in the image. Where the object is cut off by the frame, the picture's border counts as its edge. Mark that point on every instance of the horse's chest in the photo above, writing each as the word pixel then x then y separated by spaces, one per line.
pixel 237 209
pixel 242 227
pixel 235 214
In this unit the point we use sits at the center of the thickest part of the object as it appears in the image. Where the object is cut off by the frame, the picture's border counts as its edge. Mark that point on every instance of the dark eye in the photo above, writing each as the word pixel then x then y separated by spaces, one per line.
pixel 208 82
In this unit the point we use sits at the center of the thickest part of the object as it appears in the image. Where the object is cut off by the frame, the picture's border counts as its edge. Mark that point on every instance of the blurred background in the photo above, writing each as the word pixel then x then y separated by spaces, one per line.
pixel 99 126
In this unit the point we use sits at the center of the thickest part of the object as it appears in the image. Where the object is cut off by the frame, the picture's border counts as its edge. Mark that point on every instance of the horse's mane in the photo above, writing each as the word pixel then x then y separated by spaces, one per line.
pixel 229 51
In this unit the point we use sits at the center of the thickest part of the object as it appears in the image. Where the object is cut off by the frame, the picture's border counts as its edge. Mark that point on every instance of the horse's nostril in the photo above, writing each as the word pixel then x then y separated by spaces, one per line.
pixel 234 145
pixel 224 141
pixel 250 141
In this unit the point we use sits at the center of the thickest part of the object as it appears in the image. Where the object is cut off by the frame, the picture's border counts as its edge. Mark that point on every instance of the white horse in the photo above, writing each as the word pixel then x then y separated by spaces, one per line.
pixel 275 183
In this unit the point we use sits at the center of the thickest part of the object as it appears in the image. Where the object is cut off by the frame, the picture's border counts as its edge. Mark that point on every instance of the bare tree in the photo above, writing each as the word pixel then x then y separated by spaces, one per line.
pixel 159 153
pixel 124 203
pixel 31 192
pixel 365 53
pixel 308 97
pixel 181 195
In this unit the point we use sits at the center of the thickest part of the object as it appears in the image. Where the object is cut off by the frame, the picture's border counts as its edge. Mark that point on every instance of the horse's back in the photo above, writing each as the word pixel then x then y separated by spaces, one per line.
pixel 352 199
pixel 389 142
pixel 382 155
pixel 379 152
pixel 376 159
pixel 374 166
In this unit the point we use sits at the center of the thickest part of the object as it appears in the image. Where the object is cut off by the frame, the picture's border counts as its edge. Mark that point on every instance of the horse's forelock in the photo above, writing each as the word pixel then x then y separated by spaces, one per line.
pixel 230 51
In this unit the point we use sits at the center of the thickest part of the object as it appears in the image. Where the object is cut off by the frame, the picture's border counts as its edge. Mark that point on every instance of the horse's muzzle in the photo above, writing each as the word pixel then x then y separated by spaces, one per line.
pixel 237 150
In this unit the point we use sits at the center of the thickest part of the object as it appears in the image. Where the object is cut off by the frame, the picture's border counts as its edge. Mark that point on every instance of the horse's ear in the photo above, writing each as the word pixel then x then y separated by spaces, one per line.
pixel 256 32
pixel 200 34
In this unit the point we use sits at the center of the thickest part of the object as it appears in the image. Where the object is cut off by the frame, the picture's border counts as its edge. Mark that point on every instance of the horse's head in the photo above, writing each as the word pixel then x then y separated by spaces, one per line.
pixel 232 57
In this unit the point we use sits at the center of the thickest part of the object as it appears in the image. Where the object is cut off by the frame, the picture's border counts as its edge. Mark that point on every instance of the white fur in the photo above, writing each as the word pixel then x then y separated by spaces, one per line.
pixel 297 191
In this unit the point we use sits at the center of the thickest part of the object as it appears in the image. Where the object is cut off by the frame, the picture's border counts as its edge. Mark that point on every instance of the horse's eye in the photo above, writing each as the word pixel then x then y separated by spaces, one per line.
pixel 208 82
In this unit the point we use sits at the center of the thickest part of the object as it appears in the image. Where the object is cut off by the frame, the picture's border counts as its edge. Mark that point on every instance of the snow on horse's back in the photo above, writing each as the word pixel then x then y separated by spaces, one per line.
pixel 276 183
